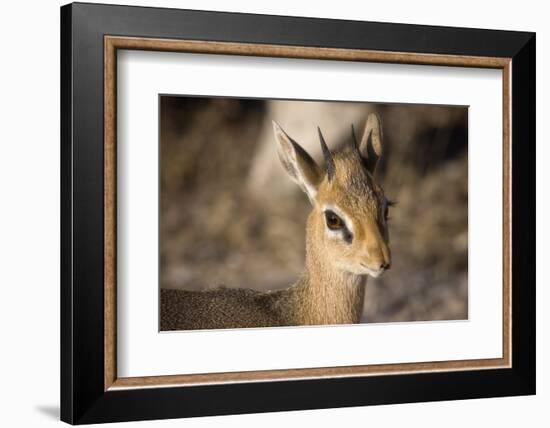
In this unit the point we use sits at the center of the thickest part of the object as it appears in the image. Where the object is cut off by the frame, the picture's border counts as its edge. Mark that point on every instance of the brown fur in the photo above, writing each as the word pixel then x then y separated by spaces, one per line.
pixel 332 287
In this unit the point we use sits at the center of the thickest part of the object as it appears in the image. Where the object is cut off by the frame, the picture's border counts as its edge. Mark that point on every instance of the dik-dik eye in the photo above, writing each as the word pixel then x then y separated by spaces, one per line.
pixel 333 221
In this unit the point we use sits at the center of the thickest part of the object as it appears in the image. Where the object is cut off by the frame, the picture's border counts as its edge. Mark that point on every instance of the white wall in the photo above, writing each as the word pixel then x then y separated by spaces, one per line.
pixel 29 219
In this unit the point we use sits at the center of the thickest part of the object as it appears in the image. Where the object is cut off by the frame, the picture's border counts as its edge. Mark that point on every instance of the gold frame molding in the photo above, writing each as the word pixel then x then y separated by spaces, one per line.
pixel 113 43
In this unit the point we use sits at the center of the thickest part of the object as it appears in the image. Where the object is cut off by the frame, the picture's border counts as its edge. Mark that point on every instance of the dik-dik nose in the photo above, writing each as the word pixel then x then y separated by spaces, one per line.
pixel 380 256
pixel 385 265
pixel 386 262
pixel 382 265
pixel 377 253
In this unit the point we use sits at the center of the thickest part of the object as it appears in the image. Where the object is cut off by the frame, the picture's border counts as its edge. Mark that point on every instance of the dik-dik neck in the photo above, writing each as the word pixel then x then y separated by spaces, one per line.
pixel 327 294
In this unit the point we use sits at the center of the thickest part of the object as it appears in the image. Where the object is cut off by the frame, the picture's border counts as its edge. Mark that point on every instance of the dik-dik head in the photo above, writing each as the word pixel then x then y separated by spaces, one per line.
pixel 350 212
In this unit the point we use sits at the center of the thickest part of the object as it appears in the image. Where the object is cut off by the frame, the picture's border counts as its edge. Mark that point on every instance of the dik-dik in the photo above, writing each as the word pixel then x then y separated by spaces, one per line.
pixel 346 240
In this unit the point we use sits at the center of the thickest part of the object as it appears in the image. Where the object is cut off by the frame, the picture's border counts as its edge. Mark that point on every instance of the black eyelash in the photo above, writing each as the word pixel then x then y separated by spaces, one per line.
pixel 389 203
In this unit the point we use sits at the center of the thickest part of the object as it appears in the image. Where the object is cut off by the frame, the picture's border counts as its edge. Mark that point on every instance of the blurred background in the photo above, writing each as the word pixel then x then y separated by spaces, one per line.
pixel 231 216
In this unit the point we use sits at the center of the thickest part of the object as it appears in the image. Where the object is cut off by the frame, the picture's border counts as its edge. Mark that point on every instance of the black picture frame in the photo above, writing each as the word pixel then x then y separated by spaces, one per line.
pixel 83 398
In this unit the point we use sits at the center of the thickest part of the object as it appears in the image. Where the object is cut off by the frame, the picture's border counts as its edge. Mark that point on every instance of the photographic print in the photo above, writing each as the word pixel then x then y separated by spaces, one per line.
pixel 302 212
pixel 271 192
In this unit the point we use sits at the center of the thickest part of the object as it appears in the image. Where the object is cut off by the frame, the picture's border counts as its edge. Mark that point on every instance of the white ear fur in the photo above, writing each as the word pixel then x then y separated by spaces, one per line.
pixel 371 142
pixel 297 162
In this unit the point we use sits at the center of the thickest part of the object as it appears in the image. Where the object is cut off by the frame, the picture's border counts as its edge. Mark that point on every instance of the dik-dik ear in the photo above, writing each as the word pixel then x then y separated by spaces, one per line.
pixel 297 163
pixel 371 142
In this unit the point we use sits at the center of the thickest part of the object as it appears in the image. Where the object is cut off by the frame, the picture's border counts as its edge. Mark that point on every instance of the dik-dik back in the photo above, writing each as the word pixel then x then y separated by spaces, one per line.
pixel 216 308
pixel 346 240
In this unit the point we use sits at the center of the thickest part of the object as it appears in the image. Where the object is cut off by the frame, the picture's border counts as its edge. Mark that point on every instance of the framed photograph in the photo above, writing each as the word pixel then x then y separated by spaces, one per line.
pixel 265 213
